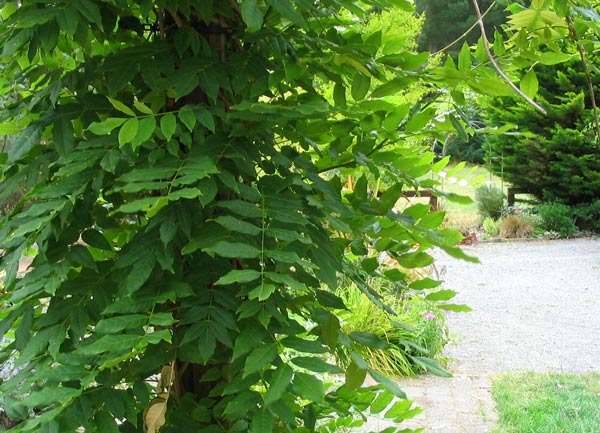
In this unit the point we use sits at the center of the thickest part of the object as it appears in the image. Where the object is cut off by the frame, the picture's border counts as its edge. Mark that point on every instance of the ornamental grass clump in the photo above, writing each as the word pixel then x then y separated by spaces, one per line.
pixel 516 226
pixel 490 201
pixel 416 334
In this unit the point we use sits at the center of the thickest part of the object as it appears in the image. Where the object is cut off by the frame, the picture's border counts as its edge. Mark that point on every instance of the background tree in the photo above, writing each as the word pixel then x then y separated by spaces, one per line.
pixel 447 21
pixel 555 157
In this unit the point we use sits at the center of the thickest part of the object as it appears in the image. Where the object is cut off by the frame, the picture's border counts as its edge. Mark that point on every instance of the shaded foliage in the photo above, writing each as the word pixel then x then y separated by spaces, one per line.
pixel 187 213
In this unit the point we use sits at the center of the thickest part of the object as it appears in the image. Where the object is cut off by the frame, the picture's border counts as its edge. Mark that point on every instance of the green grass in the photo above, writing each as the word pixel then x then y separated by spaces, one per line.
pixel 547 403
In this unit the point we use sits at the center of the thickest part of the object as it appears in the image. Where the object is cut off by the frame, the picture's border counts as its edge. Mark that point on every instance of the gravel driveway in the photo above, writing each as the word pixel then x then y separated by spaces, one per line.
pixel 536 306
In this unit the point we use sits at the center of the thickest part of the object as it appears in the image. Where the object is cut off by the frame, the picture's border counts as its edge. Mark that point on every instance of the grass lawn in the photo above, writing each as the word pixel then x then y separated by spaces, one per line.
pixel 547 403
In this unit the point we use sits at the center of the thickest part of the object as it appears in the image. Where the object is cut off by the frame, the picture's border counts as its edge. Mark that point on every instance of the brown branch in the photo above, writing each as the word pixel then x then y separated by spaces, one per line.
pixel 497 67
pixel 588 75
pixel 176 17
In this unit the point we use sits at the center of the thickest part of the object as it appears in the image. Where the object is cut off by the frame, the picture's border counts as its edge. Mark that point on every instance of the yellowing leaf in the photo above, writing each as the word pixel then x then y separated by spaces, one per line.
pixel 155 415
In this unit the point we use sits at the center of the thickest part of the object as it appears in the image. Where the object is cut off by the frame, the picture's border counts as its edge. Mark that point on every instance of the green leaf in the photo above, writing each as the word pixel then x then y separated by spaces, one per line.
pixel 238 276
pixel 114 325
pixel 303 345
pixel 393 87
pixel 260 358
pixel 328 299
pixel 360 86
pixel 238 225
pixel 188 118
pixel 425 283
pixel 233 250
pixel 27 140
pixel 315 364
pixel 106 126
pixel 111 343
pixel 308 387
pixel 415 260
pixel 252 15
pixel 441 295
pixel 354 376
pixel 388 383
pixel 146 128
pixel 286 9
pixel 96 239
pixel 262 292
pixel 121 107
pixel 128 131
pixel 143 108
pixel 369 339
pixel 90 11
pixel 82 255
pixel 529 84
pixel 251 335
pixel 49 395
pixel 262 422
pixel 140 272
pixel 464 58
pixel 62 135
pixel 382 401
pixel 280 380
pixel 168 124
pixel 401 410
pixel 339 95
pixel 206 119
pixel 554 58
pixel 457 308
pixel 431 366
pixel 330 331
pixel 240 207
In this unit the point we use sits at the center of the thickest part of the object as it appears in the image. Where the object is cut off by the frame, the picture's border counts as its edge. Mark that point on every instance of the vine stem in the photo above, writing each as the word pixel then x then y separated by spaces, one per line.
pixel 497 67
pixel 466 33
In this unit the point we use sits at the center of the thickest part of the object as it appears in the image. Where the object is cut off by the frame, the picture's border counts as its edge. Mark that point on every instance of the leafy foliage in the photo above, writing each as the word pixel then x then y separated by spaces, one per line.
pixel 557 217
pixel 182 163
pixel 587 216
pixel 188 215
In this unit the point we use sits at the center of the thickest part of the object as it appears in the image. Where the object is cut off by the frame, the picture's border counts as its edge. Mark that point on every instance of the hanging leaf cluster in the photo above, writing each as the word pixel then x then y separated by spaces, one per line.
pixel 189 216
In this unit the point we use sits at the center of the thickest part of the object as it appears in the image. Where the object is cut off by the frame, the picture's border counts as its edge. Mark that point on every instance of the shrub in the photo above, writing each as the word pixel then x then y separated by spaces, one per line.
pixel 490 226
pixel 516 226
pixel 587 216
pixel 557 217
pixel 417 330
pixel 490 200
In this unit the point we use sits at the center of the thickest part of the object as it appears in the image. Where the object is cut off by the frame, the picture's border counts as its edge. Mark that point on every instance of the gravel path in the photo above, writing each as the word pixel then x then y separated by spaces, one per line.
pixel 536 306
